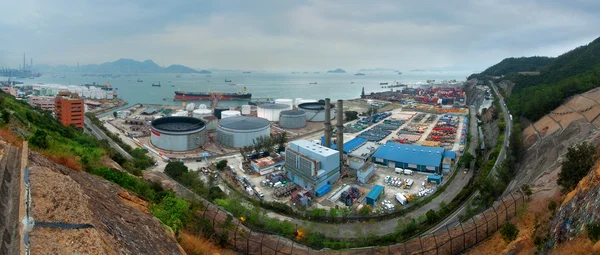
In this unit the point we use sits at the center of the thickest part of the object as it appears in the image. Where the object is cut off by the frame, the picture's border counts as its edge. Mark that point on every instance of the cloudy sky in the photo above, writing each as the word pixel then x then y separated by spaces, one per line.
pixel 288 35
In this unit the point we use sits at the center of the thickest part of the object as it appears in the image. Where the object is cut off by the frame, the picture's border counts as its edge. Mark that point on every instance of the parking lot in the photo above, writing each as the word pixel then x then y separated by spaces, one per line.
pixel 396 184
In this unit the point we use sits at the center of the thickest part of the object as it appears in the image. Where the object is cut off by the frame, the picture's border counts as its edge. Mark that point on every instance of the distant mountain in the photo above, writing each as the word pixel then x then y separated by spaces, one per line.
pixel 125 65
pixel 205 72
pixel 378 70
pixel 339 70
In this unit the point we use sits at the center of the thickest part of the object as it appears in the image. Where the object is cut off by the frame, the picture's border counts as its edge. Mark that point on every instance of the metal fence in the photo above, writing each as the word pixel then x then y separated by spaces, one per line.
pixel 453 238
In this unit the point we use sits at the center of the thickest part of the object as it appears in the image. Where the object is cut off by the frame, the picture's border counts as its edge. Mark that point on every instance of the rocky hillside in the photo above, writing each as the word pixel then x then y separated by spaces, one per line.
pixel 120 221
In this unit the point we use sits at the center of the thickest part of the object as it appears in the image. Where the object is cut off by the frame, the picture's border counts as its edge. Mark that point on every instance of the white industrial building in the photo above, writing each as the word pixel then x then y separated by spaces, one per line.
pixel 229 114
pixel 312 166
pixel 240 131
pixel 271 111
pixel 178 133
pixel 87 92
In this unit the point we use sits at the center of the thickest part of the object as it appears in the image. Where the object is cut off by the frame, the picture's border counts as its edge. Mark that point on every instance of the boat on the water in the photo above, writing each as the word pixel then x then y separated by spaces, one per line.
pixel 383 83
pixel 399 73
pixel 246 72
pixel 313 83
pixel 227 80
pixel 156 85
pixel 233 84
pixel 207 96
pixel 359 74
pixel 139 80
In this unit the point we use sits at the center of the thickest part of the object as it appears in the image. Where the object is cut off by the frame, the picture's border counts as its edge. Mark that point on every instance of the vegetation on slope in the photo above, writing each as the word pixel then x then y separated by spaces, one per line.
pixel 514 65
pixel 579 160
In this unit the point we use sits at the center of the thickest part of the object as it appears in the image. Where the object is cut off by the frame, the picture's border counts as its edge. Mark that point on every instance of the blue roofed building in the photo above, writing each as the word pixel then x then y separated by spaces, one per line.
pixel 374 195
pixel 414 157
pixel 450 154
pixel 312 166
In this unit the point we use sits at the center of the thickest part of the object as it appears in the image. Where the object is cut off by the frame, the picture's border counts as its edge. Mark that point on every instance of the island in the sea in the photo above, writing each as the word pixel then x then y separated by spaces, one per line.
pixel 339 70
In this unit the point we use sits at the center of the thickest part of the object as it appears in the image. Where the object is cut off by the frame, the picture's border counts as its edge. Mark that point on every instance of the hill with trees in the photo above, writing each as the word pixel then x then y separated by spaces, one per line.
pixel 514 65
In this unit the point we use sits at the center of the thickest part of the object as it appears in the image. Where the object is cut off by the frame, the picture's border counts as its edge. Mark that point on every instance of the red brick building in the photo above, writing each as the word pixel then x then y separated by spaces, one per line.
pixel 70 110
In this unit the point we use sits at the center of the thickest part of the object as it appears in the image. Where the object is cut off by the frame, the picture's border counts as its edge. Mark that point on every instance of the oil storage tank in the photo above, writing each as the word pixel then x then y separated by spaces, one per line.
pixel 240 131
pixel 292 119
pixel 287 101
pixel 246 109
pixel 178 133
pixel 271 111
pixel 199 113
pixel 315 111
pixel 227 114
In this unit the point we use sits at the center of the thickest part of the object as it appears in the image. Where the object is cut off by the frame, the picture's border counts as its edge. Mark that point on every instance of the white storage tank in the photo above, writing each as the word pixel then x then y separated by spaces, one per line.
pixel 287 101
pixel 302 101
pixel 241 130
pixel 315 111
pixel 180 113
pixel 229 114
pixel 246 109
pixel 271 111
pixel 190 107
pixel 199 113
pixel 202 106
pixel 292 119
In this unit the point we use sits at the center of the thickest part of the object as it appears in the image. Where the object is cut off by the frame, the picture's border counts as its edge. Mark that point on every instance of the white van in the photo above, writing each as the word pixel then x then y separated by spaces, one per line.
pixel 408 172
pixel 399 170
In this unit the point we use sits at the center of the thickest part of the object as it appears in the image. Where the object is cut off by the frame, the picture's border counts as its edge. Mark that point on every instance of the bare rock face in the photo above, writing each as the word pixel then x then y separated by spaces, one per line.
pixel 121 221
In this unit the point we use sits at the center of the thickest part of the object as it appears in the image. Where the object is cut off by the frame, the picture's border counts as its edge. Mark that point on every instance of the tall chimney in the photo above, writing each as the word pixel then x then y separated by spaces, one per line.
pixel 340 129
pixel 327 142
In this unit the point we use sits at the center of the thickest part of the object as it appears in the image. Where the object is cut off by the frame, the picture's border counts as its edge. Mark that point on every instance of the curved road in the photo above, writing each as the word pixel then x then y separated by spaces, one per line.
pixel 501 157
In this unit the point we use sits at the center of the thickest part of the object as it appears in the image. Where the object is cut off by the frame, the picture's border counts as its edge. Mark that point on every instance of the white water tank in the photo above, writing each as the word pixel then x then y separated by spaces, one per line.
pixel 202 106
pixel 180 113
pixel 199 113
pixel 302 101
pixel 271 111
pixel 190 107
pixel 287 101
pixel 246 109
pixel 228 114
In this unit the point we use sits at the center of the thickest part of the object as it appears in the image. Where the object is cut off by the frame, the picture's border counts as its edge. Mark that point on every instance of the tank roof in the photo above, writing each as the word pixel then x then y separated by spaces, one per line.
pixel 243 122
pixel 177 124
pixel 314 106
pixel 274 106
pixel 293 112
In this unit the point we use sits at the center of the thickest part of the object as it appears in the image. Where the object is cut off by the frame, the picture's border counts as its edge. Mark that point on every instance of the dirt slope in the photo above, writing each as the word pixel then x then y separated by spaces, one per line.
pixel 122 224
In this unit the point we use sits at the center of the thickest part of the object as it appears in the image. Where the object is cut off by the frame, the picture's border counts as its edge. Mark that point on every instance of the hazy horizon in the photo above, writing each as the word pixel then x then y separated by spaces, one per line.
pixel 294 35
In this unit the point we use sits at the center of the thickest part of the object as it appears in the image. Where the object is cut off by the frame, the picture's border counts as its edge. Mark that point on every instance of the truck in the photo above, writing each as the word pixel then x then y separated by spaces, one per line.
pixel 408 184
pixel 258 192
pixel 401 198
pixel 510 115
pixel 408 172
pixel 399 170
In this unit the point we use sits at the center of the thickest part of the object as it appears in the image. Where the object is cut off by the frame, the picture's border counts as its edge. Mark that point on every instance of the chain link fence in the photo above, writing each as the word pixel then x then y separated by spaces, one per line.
pixel 453 238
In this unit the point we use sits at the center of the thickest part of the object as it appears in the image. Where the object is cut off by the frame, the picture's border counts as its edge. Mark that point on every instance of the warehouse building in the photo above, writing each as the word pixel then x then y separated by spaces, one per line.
pixel 241 131
pixel 177 133
pixel 365 172
pixel 375 195
pixel 312 166
pixel 414 157
pixel 266 165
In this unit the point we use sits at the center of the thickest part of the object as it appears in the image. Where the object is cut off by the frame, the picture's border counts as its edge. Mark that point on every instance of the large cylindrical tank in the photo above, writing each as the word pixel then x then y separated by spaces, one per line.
pixel 292 119
pixel 287 101
pixel 315 111
pixel 246 109
pixel 218 110
pixel 190 107
pixel 302 101
pixel 178 133
pixel 271 111
pixel 241 130
pixel 199 113
pixel 202 106
pixel 180 113
pixel 228 114
pixel 210 122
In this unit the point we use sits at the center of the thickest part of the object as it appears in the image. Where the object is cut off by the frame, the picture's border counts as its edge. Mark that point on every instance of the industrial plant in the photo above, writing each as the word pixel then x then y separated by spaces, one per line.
pixel 178 133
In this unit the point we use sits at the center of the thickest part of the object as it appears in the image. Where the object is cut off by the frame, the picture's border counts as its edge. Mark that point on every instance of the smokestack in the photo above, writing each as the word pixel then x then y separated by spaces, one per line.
pixel 340 129
pixel 327 142
pixel 24 61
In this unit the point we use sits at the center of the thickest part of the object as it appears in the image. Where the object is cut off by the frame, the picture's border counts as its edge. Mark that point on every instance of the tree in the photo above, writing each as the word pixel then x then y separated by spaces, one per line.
pixel 115 114
pixel 509 232
pixel 579 160
pixel 172 211
pixel 39 139
pixel 432 216
pixel 526 190
pixel 333 212
pixel 593 232
pixel 175 169
pixel 351 115
pixel 221 164
pixel 5 116
pixel 552 206
pixel 366 210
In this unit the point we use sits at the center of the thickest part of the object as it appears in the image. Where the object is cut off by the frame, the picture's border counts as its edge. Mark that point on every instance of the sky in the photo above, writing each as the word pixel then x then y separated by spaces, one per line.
pixel 294 35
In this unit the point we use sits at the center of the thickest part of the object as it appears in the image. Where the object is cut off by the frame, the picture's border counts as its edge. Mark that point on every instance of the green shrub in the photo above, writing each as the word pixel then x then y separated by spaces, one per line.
pixel 579 160
pixel 39 139
pixel 593 232
pixel 509 232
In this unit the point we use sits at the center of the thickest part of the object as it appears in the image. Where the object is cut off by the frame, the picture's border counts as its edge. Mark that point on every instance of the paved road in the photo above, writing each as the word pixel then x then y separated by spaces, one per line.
pixel 454 217
pixel 102 136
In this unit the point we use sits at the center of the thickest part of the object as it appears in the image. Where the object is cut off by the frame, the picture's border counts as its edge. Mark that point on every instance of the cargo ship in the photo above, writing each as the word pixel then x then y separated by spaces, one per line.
pixel 207 96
